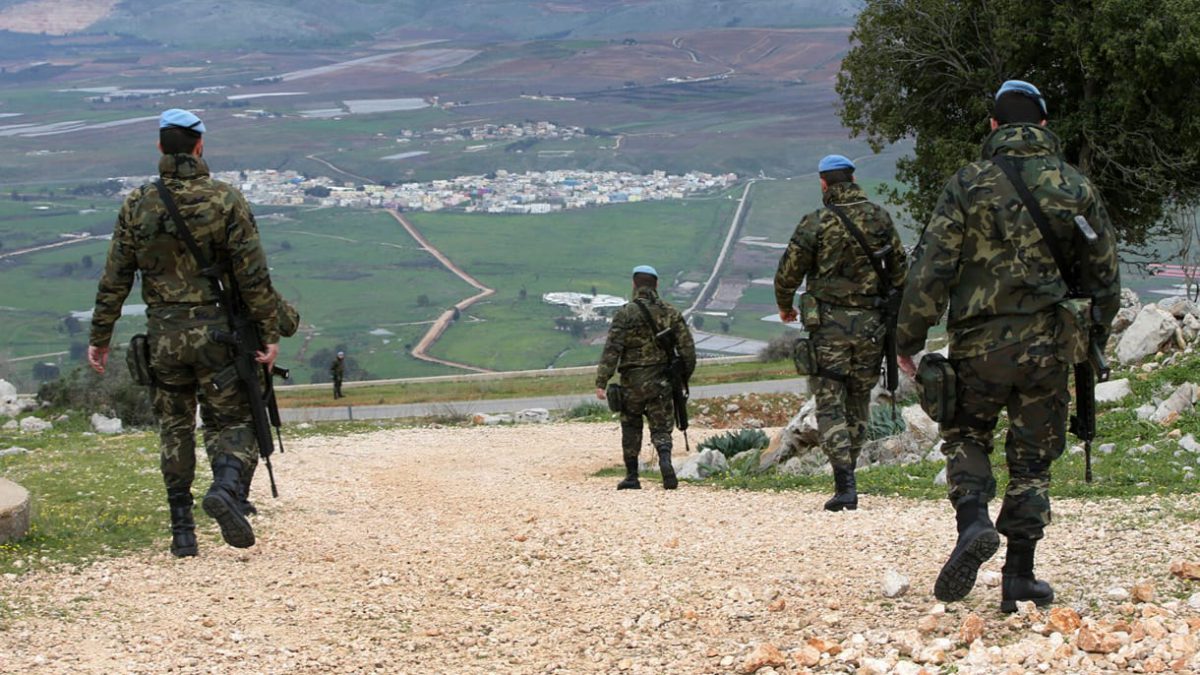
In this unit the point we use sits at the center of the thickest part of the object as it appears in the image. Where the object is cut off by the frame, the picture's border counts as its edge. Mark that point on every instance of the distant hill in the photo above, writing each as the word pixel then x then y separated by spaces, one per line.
pixel 250 23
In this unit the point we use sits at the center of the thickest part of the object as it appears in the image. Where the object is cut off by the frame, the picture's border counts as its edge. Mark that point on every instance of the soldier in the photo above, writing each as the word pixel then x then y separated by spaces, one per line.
pixel 632 349
pixel 843 309
pixel 182 311
pixel 338 370
pixel 983 251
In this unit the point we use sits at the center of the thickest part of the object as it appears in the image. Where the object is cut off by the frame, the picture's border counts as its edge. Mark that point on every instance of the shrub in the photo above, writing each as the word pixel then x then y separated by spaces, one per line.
pixel 589 410
pixel 778 349
pixel 113 394
pixel 731 443
pixel 883 424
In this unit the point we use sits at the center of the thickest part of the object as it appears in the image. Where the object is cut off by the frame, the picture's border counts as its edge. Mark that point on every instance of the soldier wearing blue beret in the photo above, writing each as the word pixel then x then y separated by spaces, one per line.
pixel 633 350
pixel 853 261
pixel 1018 320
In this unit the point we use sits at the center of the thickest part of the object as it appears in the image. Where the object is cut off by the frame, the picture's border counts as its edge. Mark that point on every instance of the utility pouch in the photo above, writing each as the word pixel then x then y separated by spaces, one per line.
pixel 615 395
pixel 137 358
pixel 1074 325
pixel 938 387
pixel 810 311
pixel 804 355
pixel 225 379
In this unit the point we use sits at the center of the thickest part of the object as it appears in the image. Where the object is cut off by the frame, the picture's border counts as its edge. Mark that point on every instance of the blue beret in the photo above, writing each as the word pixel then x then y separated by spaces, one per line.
pixel 834 163
pixel 646 269
pixel 177 117
pixel 1024 88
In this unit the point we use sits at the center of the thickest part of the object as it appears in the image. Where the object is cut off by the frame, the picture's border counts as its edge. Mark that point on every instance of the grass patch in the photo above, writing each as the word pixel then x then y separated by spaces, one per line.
pixel 548 384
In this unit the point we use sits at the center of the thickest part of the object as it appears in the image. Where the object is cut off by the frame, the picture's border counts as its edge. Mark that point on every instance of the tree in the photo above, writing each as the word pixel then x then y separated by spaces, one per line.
pixel 522 294
pixel 725 326
pixel 697 322
pixel 86 262
pixel 422 300
pixel 1110 70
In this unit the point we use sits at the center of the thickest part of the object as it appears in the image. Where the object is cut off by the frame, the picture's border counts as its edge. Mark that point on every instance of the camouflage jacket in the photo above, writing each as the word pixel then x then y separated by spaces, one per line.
pixel 337 368
pixel 983 253
pixel 631 341
pixel 145 239
pixel 822 249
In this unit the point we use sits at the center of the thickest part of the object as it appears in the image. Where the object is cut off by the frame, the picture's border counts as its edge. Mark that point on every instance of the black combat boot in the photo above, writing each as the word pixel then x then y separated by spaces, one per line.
pixel 631 474
pixel 845 491
pixel 670 482
pixel 183 527
pixel 977 543
pixel 246 506
pixel 223 502
pixel 1019 583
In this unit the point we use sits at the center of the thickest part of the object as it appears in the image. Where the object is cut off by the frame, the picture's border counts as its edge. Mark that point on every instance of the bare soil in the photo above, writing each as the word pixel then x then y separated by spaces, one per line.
pixel 484 550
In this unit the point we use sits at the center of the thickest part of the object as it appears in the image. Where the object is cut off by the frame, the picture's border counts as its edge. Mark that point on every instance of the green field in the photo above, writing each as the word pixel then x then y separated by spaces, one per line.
pixel 567 251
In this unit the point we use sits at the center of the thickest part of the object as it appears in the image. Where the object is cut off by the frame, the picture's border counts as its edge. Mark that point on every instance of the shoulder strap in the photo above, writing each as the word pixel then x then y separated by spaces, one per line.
pixel 653 327
pixel 211 273
pixel 876 263
pixel 1039 216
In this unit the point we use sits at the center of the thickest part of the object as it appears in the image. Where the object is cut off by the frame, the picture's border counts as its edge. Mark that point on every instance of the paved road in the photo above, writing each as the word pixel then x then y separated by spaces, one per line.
pixel 511 405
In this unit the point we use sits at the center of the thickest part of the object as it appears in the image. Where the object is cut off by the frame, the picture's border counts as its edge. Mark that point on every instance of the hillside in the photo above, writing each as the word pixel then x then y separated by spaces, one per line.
pixel 249 23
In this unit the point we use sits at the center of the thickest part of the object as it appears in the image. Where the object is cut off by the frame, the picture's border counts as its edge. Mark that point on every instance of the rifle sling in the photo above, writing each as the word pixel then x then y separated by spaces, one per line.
pixel 1039 218
pixel 185 235
pixel 876 263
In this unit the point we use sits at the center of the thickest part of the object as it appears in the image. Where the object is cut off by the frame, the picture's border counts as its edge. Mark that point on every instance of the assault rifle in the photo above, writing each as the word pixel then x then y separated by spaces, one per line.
pixel 677 373
pixel 245 339
pixel 1087 374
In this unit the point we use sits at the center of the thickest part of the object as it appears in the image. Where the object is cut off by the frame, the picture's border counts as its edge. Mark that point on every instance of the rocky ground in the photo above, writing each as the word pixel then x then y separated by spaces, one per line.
pixel 492 549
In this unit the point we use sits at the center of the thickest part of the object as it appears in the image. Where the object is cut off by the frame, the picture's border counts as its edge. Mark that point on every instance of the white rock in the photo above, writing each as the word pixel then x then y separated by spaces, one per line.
pixel 701 465
pixel 1123 319
pixel 1146 411
pixel 1194 601
pixel 13 451
pixel 1107 448
pixel 1191 327
pixel 990 578
pixel 1129 298
pixel 1117 594
pixel 1179 402
pixel 1178 306
pixel 1113 391
pixel 533 416
pixel 1151 329
pixel 10 405
pixel 940 478
pixel 1189 443
pixel 304 425
pixel 895 584
pixel 906 668
pixel 800 433
pixel 919 424
pixel 732 407
pixel 106 425
pixel 869 666
pixel 34 424
pixel 10 425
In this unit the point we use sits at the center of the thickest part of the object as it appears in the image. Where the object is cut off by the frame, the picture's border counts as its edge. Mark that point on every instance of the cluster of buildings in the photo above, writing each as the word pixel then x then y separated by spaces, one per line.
pixel 502 192
pixel 499 132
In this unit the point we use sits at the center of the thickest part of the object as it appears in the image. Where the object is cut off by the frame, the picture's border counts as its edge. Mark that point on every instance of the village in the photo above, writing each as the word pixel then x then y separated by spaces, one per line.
pixel 535 192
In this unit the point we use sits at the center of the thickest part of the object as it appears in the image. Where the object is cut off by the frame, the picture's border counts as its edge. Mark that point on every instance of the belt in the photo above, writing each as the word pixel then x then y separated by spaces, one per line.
pixel 642 365
pixel 185 311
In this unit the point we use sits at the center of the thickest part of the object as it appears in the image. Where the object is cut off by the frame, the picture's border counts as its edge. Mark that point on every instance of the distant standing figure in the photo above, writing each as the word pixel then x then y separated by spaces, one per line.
pixel 338 370
pixel 632 350
pixel 843 309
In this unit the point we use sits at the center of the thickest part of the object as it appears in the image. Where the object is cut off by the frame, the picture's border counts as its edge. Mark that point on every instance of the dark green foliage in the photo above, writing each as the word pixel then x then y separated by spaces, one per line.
pixel 883 424
pixel 1110 72
pixel 731 443
pixel 778 349
pixel 113 394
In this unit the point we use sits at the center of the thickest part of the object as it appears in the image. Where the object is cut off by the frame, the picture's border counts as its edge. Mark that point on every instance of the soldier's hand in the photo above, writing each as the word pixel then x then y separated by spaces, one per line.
pixel 788 315
pixel 907 366
pixel 97 358
pixel 600 393
pixel 267 356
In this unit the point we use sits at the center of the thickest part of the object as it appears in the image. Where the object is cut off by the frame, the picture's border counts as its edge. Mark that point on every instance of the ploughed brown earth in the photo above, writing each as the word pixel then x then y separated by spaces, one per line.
pixel 494 550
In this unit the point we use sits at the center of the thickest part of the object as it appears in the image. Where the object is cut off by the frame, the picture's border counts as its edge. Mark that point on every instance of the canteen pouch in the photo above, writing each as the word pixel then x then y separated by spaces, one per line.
pixel 810 311
pixel 1074 324
pixel 137 358
pixel 804 356
pixel 938 384
pixel 615 395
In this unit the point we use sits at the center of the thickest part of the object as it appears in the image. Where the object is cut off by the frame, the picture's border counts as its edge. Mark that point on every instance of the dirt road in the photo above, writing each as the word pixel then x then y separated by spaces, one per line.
pixel 492 550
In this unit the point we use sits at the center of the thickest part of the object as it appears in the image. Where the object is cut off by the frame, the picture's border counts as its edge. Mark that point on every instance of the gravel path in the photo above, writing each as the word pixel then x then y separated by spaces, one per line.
pixel 486 550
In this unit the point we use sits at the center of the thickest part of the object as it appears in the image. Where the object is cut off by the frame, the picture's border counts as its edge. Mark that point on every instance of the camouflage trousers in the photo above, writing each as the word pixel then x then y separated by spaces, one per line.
pixel 849 370
pixel 1031 384
pixel 647 394
pixel 188 362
